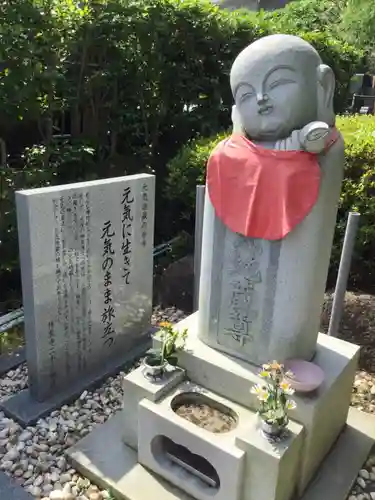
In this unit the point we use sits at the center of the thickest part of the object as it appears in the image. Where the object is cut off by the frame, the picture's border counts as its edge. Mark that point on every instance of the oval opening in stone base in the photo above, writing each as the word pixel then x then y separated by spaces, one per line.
pixel 204 412
pixel 170 455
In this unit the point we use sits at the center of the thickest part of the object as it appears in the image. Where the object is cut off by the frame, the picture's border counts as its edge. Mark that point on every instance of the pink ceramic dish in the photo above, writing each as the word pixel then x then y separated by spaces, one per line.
pixel 307 376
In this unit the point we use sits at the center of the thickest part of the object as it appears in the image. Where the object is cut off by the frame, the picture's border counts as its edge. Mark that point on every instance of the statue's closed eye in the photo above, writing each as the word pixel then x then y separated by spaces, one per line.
pixel 282 81
pixel 247 95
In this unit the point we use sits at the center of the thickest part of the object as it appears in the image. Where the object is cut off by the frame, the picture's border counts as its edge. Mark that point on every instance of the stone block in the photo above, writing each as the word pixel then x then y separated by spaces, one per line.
pixel 117 468
pixel 86 265
pixel 323 413
pixel 199 462
pixel 9 490
pixel 136 387
pixel 272 468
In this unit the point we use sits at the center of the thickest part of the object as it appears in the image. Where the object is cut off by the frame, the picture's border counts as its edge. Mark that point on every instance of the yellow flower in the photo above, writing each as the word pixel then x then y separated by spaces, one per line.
pixel 264 374
pixel 165 324
pixel 291 405
pixel 285 387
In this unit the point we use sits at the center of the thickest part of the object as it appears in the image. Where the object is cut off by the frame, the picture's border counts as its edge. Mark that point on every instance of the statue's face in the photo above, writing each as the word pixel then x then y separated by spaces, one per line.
pixel 274 96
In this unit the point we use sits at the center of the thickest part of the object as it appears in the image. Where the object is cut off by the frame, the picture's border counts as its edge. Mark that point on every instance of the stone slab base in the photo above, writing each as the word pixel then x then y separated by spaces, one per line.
pixel 103 458
pixel 23 408
pixel 9 490
pixel 12 360
pixel 233 378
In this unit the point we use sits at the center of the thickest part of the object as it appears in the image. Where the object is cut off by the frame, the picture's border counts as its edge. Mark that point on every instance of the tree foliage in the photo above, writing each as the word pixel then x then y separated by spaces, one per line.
pixel 308 16
pixel 358 22
pixel 101 88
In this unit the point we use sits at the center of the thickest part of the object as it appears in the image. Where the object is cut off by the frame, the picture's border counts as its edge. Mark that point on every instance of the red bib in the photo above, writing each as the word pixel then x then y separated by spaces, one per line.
pixel 258 192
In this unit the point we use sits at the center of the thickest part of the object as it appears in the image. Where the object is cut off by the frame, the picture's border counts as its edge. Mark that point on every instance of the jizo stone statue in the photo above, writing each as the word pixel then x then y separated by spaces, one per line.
pixel 272 195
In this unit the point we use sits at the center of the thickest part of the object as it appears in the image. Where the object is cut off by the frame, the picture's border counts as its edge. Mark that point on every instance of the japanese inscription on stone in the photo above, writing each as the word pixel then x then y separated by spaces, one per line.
pixel 144 213
pixel 86 274
pixel 126 233
pixel 109 313
pixel 244 276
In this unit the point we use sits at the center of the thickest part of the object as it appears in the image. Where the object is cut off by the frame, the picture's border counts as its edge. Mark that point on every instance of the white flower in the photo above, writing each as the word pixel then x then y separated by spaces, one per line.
pixel 290 404
pixel 286 388
pixel 261 392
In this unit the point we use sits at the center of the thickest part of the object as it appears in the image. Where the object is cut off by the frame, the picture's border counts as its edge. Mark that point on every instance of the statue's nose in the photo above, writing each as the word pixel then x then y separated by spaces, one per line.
pixel 262 98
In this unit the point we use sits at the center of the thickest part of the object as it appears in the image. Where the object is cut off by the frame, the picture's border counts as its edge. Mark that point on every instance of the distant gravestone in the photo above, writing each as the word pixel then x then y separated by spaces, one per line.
pixel 87 271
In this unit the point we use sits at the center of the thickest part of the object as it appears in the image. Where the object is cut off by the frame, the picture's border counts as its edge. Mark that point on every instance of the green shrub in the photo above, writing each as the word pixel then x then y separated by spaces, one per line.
pixel 134 80
pixel 307 15
pixel 63 164
pixel 344 61
pixel 187 170
pixel 358 194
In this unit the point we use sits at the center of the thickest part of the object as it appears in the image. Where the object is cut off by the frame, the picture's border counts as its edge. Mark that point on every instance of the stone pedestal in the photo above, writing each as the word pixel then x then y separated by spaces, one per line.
pixel 233 459
pixel 102 457
pixel 323 414
pixel 240 464
pixel 151 426
pixel 136 387
pixel 271 469
pixel 159 425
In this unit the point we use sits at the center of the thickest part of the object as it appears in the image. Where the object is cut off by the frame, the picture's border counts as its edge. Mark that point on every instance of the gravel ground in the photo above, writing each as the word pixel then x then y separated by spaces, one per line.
pixel 34 456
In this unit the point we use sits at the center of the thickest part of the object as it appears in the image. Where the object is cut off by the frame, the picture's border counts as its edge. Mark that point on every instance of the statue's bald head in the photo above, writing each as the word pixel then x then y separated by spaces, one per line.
pixel 280 68
pixel 274 50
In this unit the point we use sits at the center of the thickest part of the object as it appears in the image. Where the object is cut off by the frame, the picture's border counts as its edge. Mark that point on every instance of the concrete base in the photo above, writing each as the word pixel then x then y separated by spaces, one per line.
pixel 9 490
pixel 103 458
pixel 323 413
pixel 23 408
pixel 136 387
pixel 238 453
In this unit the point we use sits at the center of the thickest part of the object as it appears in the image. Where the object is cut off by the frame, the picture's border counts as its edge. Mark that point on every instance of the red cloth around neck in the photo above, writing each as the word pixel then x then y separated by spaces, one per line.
pixel 258 192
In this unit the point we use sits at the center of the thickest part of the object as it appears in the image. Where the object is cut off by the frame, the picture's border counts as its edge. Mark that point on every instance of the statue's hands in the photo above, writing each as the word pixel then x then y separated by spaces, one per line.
pixel 236 120
pixel 313 137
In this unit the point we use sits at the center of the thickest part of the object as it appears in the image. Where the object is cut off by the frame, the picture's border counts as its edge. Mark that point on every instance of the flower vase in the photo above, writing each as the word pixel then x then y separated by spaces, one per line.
pixel 154 367
pixel 273 429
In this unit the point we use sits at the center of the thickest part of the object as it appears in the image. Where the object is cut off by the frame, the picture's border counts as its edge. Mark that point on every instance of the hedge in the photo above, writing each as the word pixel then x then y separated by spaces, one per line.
pixel 187 170
pixel 125 84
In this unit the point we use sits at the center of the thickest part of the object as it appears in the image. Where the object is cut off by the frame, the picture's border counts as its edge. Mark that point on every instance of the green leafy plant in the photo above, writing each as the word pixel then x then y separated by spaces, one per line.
pixel 172 341
pixel 11 339
pixel 85 91
pixel 273 394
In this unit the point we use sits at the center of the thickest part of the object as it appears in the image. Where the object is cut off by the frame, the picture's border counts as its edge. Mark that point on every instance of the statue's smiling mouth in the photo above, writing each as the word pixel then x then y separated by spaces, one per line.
pixel 265 110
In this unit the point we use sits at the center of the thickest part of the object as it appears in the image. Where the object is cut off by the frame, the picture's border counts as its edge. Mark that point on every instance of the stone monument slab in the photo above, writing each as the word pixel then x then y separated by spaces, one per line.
pixel 87 269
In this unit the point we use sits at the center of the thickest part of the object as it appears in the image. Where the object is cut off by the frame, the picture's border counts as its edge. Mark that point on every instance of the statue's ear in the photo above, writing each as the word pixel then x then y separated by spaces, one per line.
pixel 236 120
pixel 326 92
